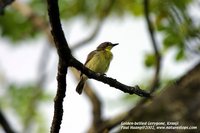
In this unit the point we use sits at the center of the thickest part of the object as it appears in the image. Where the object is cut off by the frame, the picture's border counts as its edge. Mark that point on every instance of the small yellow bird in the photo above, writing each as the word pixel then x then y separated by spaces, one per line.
pixel 97 61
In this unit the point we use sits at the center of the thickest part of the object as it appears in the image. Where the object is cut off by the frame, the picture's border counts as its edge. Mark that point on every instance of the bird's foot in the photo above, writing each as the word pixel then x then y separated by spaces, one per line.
pixel 101 74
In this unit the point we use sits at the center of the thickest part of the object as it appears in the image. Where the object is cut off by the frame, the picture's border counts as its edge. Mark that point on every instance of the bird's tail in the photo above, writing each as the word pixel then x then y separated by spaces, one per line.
pixel 80 85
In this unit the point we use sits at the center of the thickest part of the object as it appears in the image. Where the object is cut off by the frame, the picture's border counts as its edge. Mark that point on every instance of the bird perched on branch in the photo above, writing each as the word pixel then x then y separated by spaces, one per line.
pixel 97 61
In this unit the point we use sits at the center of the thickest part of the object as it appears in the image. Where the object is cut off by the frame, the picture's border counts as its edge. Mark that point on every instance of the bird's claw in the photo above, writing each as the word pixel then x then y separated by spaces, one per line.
pixel 101 74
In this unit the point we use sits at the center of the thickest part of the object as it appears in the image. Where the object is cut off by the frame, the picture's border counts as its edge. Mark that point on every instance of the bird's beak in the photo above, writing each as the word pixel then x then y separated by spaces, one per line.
pixel 115 44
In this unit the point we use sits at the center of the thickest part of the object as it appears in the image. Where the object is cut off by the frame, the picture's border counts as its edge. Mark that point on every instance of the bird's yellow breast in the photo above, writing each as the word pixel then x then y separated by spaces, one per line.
pixel 100 61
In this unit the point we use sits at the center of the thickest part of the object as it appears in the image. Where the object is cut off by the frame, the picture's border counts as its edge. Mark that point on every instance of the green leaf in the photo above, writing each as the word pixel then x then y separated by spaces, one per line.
pixel 168 41
pixel 150 60
pixel 180 54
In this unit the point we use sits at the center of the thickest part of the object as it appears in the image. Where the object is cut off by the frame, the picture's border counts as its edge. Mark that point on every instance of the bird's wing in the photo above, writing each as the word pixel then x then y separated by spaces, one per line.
pixel 89 57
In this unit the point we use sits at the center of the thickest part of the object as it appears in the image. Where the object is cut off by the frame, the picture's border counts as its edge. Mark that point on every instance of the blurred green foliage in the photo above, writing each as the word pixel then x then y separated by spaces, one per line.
pixel 25 101
pixel 150 60
pixel 171 18
pixel 178 28
pixel 16 27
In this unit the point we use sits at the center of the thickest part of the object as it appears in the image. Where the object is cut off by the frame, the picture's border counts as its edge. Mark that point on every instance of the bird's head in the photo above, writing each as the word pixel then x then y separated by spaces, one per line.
pixel 106 46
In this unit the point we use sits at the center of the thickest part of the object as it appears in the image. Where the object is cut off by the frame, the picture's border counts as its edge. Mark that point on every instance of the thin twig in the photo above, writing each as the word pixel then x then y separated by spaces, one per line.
pixel 156 79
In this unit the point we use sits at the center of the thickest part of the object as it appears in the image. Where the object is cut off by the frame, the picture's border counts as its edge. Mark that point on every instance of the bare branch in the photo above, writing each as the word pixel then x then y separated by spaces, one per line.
pixel 156 79
pixel 64 54
pixel 3 4
pixel 6 126
pixel 107 80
